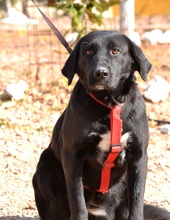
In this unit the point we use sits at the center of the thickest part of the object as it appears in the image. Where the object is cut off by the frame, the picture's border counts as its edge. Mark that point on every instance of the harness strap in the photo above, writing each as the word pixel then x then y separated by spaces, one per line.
pixel 116 130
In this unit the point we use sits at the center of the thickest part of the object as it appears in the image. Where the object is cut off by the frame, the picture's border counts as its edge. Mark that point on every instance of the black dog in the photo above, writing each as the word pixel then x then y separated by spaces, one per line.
pixel 68 174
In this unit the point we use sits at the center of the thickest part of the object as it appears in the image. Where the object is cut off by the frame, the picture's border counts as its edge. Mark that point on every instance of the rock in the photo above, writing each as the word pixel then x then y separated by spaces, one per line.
pixel 165 129
pixel 135 37
pixel 157 90
pixel 5 97
pixel 72 37
pixel 152 36
pixel 17 18
pixel 156 36
pixel 167 36
pixel 17 91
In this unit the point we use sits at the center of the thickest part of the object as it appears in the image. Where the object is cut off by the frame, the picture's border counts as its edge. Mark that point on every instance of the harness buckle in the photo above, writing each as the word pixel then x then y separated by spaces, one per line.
pixel 115 148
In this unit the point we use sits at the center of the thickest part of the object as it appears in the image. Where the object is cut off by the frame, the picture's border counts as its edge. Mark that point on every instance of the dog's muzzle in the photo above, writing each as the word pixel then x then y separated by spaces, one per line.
pixel 100 77
pixel 101 74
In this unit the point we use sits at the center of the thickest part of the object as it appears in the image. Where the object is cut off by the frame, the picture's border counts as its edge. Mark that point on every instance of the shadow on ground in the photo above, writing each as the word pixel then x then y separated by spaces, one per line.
pixel 17 218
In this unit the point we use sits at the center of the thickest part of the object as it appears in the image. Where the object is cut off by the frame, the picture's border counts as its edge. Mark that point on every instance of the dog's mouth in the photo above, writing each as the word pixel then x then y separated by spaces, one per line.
pixel 100 87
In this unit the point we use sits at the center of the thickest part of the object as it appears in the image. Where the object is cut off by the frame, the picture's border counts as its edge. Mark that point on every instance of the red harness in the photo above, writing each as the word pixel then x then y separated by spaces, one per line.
pixel 116 130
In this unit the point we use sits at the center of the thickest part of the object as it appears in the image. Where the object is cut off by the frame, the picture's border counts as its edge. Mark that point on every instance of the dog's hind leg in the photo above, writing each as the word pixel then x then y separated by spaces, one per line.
pixel 50 189
pixel 40 202
pixel 154 212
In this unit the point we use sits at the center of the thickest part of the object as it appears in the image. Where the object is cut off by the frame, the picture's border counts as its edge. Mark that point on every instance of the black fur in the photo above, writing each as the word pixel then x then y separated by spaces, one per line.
pixel 105 62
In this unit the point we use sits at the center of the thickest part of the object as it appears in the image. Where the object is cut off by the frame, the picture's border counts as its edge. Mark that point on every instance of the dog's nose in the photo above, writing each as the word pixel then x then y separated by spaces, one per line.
pixel 101 73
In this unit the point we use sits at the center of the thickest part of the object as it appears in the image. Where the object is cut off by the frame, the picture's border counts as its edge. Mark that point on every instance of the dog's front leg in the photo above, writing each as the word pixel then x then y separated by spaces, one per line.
pixel 137 170
pixel 73 170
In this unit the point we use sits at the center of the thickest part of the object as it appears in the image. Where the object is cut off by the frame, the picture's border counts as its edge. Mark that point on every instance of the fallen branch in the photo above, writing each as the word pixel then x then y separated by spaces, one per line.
pixel 159 121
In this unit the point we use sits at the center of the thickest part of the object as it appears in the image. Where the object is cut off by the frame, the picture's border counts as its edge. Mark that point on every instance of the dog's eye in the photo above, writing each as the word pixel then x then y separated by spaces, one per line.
pixel 114 51
pixel 89 52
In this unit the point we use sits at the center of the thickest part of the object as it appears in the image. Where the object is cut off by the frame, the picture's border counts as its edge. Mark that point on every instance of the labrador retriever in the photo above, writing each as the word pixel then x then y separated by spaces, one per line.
pixel 68 176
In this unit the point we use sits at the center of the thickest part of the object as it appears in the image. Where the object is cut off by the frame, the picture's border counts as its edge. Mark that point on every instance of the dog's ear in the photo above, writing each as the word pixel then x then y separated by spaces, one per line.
pixel 141 64
pixel 69 68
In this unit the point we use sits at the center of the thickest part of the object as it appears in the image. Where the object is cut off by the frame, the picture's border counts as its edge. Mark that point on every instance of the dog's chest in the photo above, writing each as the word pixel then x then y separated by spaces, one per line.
pixel 104 144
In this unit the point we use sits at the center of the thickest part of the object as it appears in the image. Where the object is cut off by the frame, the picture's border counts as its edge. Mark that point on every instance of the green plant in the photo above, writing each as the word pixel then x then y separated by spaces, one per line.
pixel 83 11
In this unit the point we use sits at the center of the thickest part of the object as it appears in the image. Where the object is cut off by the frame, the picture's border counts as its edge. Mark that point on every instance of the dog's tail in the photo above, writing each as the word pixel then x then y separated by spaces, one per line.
pixel 155 213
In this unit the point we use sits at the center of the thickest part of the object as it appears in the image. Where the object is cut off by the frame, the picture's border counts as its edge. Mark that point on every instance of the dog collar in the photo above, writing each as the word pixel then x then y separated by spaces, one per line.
pixel 116 130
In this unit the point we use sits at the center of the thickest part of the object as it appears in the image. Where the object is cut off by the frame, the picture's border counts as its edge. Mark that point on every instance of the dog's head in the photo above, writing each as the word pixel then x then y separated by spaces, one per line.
pixel 105 60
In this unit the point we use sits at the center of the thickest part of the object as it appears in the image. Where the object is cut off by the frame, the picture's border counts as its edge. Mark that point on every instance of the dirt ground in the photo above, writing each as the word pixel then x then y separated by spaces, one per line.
pixel 26 127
